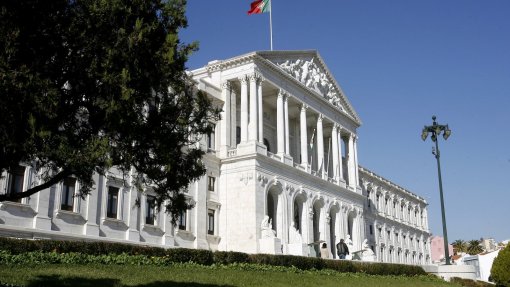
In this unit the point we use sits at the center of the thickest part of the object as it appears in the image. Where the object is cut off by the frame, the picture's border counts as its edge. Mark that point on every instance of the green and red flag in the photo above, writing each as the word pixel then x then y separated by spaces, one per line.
pixel 260 6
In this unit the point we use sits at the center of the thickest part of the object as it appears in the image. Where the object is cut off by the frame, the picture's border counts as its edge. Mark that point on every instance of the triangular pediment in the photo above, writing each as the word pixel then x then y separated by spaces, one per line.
pixel 308 68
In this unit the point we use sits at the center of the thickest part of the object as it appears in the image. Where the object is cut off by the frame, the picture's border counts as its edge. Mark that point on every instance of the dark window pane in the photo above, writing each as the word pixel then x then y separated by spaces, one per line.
pixel 68 190
pixel 16 179
pixel 112 202
pixel 150 212
pixel 210 222
pixel 182 220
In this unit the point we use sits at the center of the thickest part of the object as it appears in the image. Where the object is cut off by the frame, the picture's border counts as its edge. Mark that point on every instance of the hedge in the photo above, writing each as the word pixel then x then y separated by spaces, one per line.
pixel 470 283
pixel 81 252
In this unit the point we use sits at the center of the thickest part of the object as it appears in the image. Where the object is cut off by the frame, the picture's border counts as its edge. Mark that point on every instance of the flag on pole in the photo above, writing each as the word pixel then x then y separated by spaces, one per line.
pixel 260 6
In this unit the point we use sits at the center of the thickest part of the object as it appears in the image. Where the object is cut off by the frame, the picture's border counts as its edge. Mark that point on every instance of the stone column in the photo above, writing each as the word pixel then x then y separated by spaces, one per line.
pixel 334 139
pixel 304 136
pixel 425 220
pixel 310 224
pixel 233 119
pixel 357 230
pixel 252 126
pixel 345 223
pixel 225 115
pixel 260 110
pixel 355 154
pixel 350 162
pixel 418 217
pixel 362 228
pixel 320 147
pixel 286 120
pixel 340 164
pixel 327 231
pixel 244 109
pixel 280 125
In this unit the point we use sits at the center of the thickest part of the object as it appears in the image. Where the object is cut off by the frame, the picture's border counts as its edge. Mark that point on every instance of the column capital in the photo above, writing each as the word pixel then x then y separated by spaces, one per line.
pixel 226 85
pixel 282 93
pixel 335 126
pixel 252 77
pixel 304 107
pixel 243 79
pixel 320 117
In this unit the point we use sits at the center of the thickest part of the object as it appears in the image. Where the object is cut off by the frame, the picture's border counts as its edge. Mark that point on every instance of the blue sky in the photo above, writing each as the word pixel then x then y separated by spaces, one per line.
pixel 399 62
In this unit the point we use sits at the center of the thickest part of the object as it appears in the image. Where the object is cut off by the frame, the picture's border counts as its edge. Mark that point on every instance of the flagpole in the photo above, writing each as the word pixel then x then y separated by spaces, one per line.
pixel 271 22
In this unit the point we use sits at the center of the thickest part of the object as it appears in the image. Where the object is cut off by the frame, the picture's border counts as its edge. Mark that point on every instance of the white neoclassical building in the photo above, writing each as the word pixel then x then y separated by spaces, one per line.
pixel 282 177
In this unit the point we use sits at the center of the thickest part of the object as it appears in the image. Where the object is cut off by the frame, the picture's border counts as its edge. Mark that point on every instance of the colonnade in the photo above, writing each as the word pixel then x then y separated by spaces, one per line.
pixel 317 219
pixel 251 126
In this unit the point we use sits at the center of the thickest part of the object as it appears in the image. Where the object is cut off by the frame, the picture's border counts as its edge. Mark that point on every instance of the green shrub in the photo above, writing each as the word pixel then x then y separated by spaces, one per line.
pixel 343 266
pixel 18 246
pixel 199 256
pixel 304 263
pixel 500 271
pixel 469 283
pixel 19 251
pixel 229 257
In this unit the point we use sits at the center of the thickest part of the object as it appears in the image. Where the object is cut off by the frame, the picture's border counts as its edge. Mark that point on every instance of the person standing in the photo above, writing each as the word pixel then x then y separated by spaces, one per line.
pixel 324 251
pixel 341 249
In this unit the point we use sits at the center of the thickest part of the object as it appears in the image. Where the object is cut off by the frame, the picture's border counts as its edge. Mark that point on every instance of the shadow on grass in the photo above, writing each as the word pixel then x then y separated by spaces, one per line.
pixel 59 281
pixel 183 284
pixel 56 280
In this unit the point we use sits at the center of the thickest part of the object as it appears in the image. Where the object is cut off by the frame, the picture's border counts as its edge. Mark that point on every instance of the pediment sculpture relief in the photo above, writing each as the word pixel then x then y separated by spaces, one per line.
pixel 310 75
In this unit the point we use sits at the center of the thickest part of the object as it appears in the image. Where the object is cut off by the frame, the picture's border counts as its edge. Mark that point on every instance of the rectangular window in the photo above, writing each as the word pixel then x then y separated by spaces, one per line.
pixel 211 140
pixel 210 222
pixel 371 229
pixel 150 211
pixel 67 197
pixel 16 178
pixel 211 183
pixel 182 220
pixel 112 202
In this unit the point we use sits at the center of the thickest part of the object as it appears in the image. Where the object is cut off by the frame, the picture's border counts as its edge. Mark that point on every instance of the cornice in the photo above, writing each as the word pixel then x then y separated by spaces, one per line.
pixel 390 184
pixel 231 63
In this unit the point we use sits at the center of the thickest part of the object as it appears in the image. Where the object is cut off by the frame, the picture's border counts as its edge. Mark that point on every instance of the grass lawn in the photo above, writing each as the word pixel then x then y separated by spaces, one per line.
pixel 188 275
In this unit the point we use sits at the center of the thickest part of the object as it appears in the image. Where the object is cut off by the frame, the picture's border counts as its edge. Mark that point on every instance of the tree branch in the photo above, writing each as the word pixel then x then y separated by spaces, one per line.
pixel 19 195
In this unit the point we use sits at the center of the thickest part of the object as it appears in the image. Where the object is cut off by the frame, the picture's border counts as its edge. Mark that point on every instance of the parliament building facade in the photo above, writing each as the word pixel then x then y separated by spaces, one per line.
pixel 282 177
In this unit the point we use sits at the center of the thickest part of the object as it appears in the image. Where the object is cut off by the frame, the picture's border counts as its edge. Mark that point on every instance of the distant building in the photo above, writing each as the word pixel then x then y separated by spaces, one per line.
pixel 489 244
pixel 483 264
pixel 437 249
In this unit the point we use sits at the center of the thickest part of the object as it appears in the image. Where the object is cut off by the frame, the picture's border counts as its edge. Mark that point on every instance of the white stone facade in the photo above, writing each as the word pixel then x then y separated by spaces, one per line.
pixel 282 174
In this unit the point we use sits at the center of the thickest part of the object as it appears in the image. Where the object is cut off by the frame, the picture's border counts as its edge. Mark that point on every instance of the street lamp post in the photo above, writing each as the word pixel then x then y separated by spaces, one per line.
pixel 436 130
